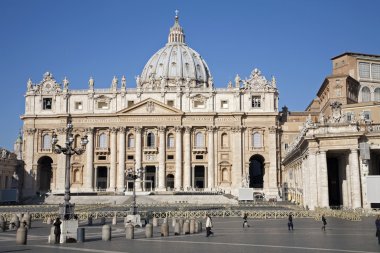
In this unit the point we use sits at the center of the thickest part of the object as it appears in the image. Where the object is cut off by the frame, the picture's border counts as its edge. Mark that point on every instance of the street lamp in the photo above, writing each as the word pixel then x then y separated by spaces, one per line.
pixel 133 175
pixel 67 210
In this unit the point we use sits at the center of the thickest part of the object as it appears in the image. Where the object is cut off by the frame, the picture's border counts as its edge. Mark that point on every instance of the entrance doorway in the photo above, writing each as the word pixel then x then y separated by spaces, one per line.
pixel 256 171
pixel 199 176
pixel 170 181
pixel 102 178
pixel 150 177
pixel 334 183
pixel 45 173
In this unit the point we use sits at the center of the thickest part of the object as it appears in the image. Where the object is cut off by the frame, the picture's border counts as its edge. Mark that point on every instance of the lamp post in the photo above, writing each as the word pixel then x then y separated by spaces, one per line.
pixel 67 210
pixel 133 175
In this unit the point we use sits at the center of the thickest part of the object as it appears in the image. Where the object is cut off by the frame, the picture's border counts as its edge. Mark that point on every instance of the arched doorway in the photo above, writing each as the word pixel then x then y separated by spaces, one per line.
pixel 256 171
pixel 102 178
pixel 45 173
pixel 170 181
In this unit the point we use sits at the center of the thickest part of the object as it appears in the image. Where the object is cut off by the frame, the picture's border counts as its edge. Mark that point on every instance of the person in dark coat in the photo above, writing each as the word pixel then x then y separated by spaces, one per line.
pixel 290 221
pixel 378 228
pixel 57 229
pixel 324 222
pixel 245 221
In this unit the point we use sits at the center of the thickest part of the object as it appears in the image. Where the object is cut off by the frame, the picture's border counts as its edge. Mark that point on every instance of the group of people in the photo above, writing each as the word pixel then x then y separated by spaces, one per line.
pixel 291 227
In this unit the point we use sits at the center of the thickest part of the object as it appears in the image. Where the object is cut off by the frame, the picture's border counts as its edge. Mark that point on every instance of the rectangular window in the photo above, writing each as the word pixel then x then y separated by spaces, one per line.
pixel 224 104
pixel 47 103
pixel 199 157
pixel 349 116
pixel 367 115
pixel 102 105
pixel 256 101
pixel 286 146
pixel 102 158
pixel 364 69
pixel 130 157
pixel 170 157
pixel 199 104
pixel 131 103
pixel 375 71
pixel 170 102
pixel 78 106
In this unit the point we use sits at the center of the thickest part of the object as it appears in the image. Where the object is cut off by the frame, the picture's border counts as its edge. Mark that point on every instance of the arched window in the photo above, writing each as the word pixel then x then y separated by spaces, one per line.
pixel 150 140
pixel 224 138
pixel 103 140
pixel 170 141
pixel 131 141
pixel 256 140
pixel 377 94
pixel 366 94
pixel 46 141
pixel 199 140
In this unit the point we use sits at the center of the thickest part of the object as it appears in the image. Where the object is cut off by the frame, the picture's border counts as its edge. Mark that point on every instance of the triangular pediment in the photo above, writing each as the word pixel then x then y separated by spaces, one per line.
pixel 150 107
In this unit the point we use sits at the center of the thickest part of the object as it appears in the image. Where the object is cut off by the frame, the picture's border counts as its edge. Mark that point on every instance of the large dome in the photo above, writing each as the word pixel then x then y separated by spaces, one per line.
pixel 176 64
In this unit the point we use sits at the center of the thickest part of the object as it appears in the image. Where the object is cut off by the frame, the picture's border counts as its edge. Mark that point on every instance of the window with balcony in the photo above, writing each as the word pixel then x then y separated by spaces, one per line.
pixel 46 104
pixel 103 141
pixel 199 140
pixel 150 140
pixel 170 141
pixel 366 94
pixel 256 101
pixel 46 142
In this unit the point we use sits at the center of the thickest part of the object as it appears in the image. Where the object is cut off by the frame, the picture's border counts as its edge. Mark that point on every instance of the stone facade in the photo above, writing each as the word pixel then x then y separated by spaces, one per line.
pixel 185 133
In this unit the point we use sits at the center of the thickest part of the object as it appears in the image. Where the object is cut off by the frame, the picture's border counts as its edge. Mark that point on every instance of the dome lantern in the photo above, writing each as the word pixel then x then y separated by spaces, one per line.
pixel 176 34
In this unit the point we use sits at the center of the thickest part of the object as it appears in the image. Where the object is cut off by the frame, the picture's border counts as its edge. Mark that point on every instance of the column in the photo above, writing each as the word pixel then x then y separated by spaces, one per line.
pixel 313 193
pixel 89 178
pixel 323 180
pixel 305 183
pixel 272 173
pixel 138 156
pixel 121 169
pixel 210 171
pixel 28 154
pixel 237 162
pixel 61 162
pixel 187 164
pixel 178 158
pixel 161 160
pixel 355 179
pixel 113 154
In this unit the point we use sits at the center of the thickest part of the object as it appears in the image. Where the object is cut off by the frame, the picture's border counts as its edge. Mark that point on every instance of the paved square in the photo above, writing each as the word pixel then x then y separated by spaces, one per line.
pixel 262 236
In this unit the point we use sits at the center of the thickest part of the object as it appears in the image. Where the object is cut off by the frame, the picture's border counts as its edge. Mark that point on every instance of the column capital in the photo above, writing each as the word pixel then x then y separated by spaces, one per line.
pixel 113 130
pixel 61 130
pixel 272 129
pixel 178 129
pixel 237 129
pixel 138 129
pixel 122 129
pixel 30 131
pixel 188 129
pixel 211 128
pixel 89 130
pixel 161 129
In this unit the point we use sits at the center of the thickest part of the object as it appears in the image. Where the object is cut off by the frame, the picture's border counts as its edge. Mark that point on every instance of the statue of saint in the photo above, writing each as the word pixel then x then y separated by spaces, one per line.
pixel 138 81
pixel 114 82
pixel 91 83
pixel 65 84
pixel 210 82
pixel 237 81
pixel 229 86
pixel 123 82
pixel 29 84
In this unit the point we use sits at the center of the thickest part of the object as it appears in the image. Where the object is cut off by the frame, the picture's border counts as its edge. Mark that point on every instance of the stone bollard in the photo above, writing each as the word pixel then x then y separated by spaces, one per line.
pixel 89 221
pixel 129 231
pixel 148 231
pixel 21 235
pixel 180 225
pixel 80 235
pixel 165 229
pixel 186 228
pixel 114 220
pixel 52 235
pixel 155 222
pixel 2 224
pixel 174 221
pixel 106 233
pixel 48 221
pixel 192 226
pixel 177 229
pixel 102 221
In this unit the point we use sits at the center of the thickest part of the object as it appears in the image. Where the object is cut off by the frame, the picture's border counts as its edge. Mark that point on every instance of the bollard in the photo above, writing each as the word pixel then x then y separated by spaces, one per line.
pixel 21 236
pixel 174 221
pixel 192 226
pixel 165 229
pixel 48 221
pixel 130 231
pixel 80 235
pixel 2 224
pixel 114 220
pixel 106 233
pixel 52 235
pixel 102 221
pixel 177 229
pixel 155 222
pixel 186 228
pixel 89 221
pixel 148 231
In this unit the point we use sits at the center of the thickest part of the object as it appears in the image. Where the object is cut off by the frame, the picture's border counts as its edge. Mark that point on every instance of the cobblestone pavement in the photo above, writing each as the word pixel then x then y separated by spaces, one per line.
pixel 229 236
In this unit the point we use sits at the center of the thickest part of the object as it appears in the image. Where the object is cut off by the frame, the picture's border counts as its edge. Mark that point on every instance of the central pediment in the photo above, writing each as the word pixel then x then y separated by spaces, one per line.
pixel 150 107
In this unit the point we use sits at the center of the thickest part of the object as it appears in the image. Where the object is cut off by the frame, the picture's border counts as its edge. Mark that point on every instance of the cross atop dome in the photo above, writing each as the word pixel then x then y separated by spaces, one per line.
pixel 176 34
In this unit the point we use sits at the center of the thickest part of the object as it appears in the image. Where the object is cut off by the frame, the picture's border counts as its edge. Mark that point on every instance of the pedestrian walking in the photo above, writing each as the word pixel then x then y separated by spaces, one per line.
pixel 290 221
pixel 57 229
pixel 378 228
pixel 208 226
pixel 324 222
pixel 245 221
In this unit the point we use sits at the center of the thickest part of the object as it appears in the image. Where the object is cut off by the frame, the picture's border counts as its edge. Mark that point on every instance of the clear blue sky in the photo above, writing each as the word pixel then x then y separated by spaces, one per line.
pixel 293 40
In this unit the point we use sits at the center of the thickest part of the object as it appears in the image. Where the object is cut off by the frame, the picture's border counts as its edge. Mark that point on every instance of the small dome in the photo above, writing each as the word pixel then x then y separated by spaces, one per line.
pixel 176 64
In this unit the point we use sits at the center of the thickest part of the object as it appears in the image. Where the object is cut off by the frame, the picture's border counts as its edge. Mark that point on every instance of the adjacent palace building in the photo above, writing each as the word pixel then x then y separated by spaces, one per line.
pixel 187 135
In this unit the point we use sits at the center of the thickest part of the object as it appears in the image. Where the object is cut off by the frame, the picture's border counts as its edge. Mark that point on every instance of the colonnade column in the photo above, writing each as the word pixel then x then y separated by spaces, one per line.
pixel 138 156
pixel 161 160
pixel 355 179
pixel 237 158
pixel 88 183
pixel 313 193
pixel 121 170
pixel 272 173
pixel 113 152
pixel 28 154
pixel 210 171
pixel 178 158
pixel 187 164
pixel 323 180
pixel 61 162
